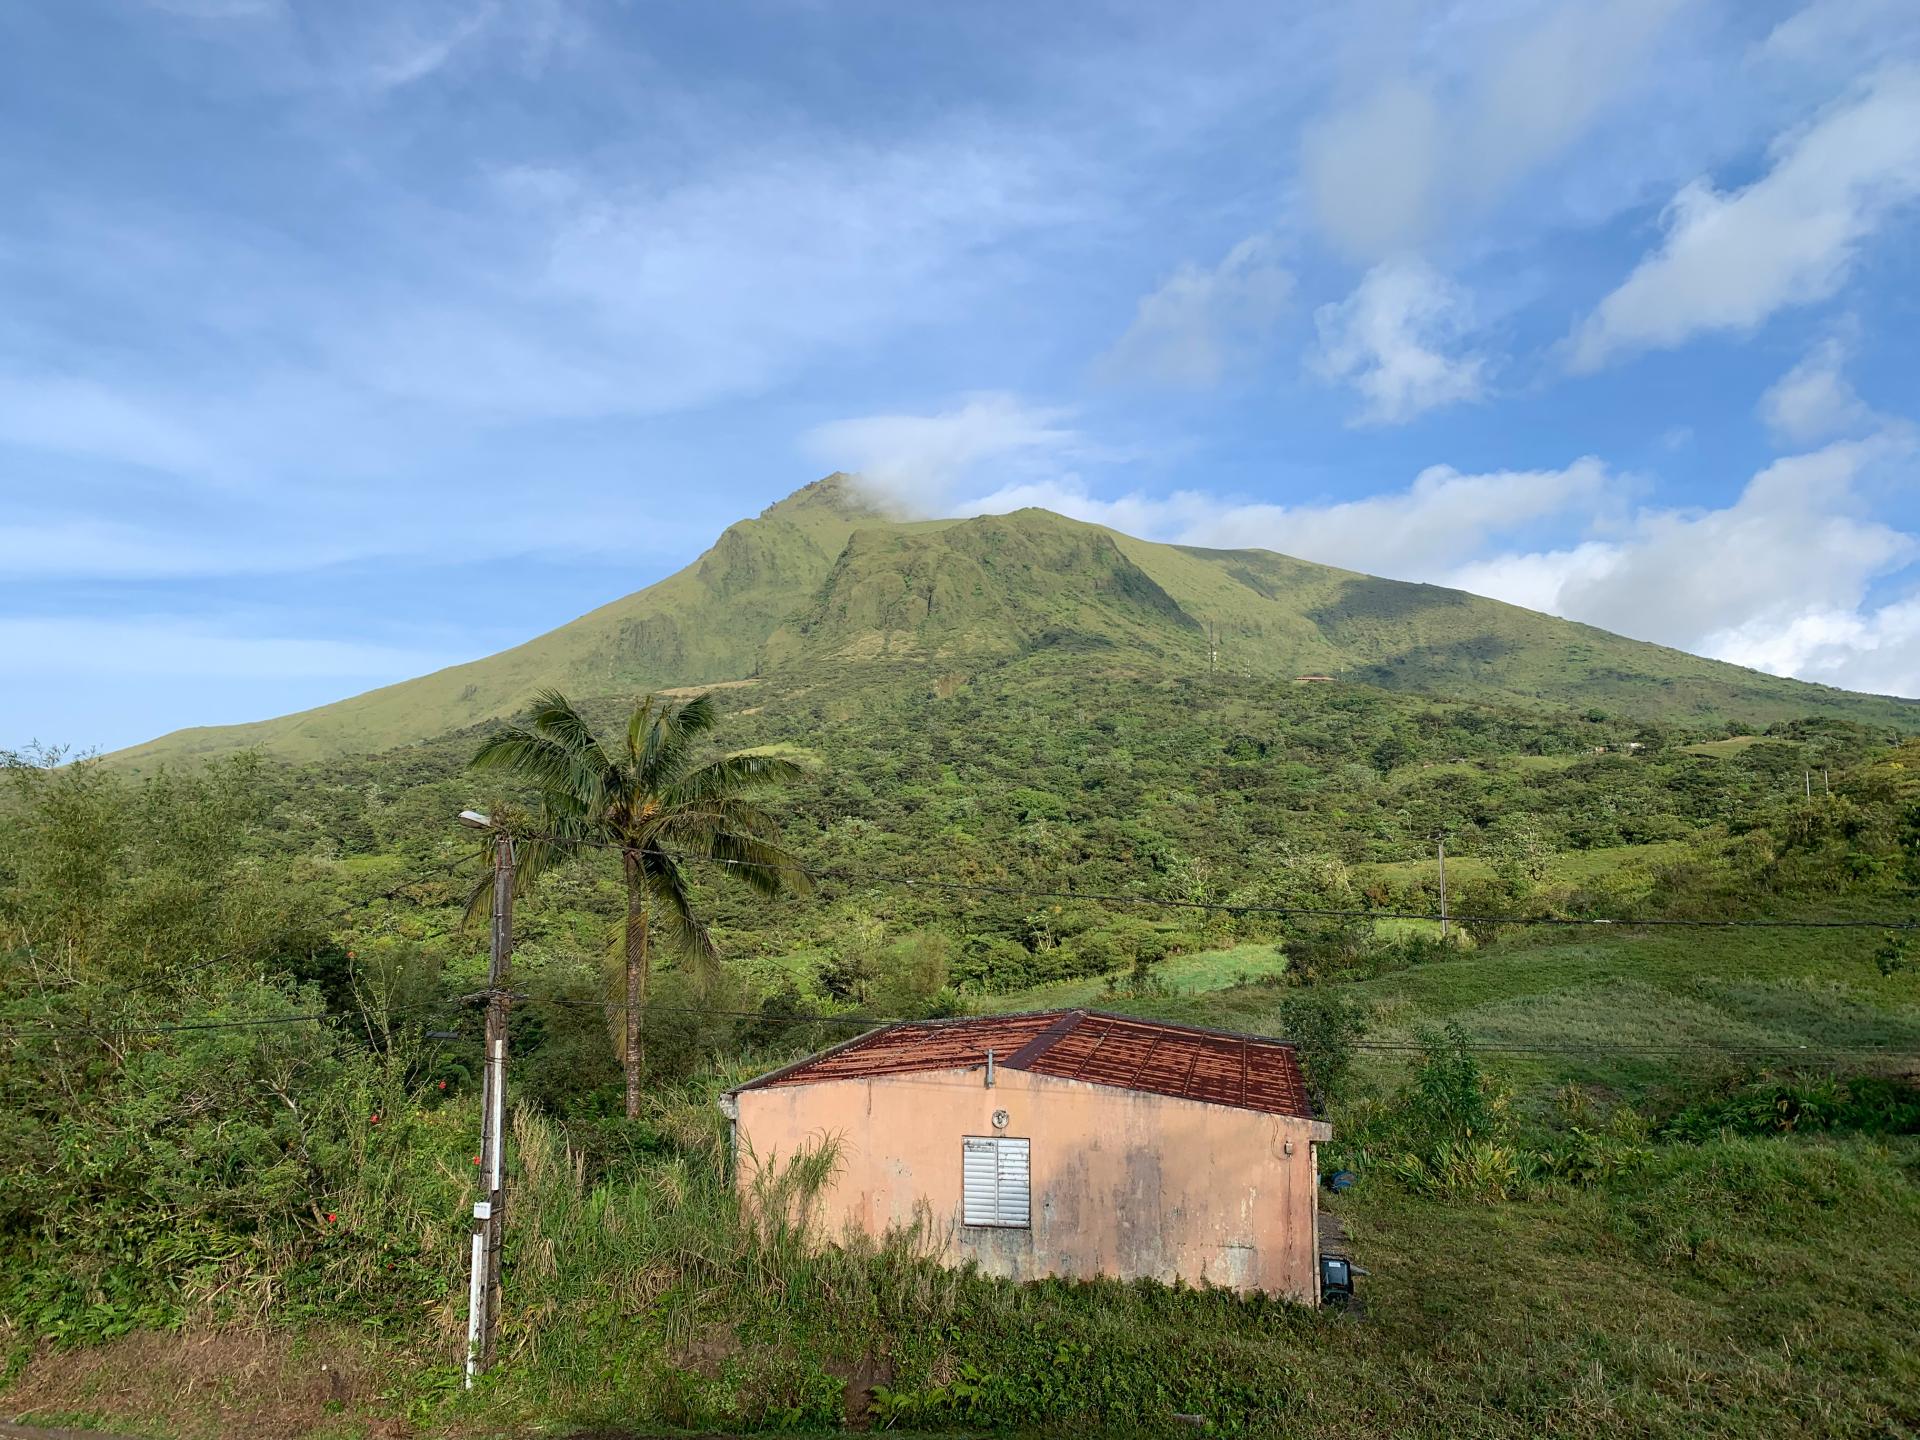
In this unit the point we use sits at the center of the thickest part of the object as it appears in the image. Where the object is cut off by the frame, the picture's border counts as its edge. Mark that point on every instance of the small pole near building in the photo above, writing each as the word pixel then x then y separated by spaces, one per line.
pixel 489 1215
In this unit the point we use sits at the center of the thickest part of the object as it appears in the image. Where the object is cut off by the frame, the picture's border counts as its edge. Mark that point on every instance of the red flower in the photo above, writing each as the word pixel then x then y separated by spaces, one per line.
pixel 476 1159
pixel 443 1084
pixel 373 1119
pixel 330 1217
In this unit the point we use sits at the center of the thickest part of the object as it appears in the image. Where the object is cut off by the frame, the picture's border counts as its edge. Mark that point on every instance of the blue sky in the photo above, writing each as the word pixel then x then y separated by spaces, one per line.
pixel 344 340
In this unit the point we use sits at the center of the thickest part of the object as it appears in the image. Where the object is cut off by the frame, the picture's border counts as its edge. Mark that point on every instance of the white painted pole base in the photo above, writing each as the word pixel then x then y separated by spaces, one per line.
pixel 476 1292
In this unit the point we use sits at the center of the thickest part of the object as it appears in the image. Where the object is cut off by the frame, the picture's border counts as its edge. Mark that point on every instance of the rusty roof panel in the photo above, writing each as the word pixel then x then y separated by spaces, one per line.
pixel 902 1049
pixel 1210 1066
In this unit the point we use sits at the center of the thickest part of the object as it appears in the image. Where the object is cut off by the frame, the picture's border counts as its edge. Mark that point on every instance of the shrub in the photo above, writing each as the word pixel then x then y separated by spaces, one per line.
pixel 1324 1027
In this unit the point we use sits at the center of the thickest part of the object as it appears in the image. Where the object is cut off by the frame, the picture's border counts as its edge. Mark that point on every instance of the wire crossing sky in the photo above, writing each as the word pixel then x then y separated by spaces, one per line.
pixel 323 316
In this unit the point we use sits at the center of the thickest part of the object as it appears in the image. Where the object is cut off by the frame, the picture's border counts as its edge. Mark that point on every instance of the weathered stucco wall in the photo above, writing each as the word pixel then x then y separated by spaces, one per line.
pixel 1123 1183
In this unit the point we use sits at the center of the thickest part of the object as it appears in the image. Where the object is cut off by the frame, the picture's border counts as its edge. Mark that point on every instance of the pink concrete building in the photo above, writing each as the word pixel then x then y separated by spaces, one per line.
pixel 1069 1142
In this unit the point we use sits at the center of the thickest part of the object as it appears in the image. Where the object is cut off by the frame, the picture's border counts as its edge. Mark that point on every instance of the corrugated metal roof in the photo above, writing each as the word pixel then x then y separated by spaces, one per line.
pixel 1216 1067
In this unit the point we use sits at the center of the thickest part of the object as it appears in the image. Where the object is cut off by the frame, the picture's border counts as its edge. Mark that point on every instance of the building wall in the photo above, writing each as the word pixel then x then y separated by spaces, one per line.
pixel 1123 1183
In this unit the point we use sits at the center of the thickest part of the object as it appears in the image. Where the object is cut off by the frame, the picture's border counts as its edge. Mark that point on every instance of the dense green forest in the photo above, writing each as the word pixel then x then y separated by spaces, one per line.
pixel 1613 1178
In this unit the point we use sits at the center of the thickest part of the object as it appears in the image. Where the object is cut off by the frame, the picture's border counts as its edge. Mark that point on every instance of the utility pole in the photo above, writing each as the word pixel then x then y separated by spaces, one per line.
pixel 1442 839
pixel 489 1215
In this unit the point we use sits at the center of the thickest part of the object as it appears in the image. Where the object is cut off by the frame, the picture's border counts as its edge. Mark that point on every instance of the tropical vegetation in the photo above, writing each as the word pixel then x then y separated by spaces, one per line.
pixel 1632 1156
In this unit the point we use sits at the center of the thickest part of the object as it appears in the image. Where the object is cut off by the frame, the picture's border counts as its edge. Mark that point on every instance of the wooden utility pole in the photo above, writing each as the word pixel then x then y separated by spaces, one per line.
pixel 489 1215
pixel 1442 840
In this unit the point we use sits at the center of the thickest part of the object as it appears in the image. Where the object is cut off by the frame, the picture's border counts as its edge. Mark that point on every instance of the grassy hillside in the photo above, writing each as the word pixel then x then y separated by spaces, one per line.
pixel 821 582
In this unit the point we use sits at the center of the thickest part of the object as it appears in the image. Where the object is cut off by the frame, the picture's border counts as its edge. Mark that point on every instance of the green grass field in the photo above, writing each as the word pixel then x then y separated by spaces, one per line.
pixel 1574 866
pixel 1182 975
pixel 1719 749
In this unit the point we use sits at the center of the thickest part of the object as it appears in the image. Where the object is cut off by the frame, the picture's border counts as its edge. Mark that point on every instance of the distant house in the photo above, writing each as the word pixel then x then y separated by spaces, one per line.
pixel 1313 679
pixel 1067 1142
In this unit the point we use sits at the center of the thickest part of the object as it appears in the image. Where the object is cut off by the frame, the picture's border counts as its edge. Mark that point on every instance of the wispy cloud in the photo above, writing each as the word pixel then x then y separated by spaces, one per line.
pixel 1204 320
pixel 167 645
pixel 219 9
pixel 408 50
pixel 1421 143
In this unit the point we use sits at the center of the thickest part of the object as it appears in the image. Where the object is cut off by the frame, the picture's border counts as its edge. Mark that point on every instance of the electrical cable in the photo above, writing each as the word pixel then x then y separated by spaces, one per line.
pixel 1484 1047
pixel 1297 911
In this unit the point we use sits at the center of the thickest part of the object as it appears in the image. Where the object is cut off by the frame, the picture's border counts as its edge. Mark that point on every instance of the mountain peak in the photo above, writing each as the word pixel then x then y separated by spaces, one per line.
pixel 839 493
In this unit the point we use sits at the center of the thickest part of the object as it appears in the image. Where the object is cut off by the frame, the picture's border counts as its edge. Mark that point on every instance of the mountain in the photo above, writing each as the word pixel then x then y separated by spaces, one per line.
pixel 824 582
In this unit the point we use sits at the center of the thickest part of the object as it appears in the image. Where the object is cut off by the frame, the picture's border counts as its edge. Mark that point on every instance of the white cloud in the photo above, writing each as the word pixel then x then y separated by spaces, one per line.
pixel 1391 339
pixel 1416 145
pixel 1202 320
pixel 1876 650
pixel 916 462
pixel 1730 260
pixel 1814 401
pixel 1779 580
pixel 1415 533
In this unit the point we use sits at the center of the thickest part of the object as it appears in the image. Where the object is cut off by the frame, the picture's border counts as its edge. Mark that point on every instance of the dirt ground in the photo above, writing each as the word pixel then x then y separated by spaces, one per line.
pixel 201 1386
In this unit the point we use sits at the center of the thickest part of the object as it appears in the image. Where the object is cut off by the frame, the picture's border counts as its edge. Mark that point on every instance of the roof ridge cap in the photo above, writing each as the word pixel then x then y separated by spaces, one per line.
pixel 1064 1025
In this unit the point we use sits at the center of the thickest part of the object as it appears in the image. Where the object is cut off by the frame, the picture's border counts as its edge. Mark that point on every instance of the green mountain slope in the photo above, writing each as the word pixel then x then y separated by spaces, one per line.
pixel 823 583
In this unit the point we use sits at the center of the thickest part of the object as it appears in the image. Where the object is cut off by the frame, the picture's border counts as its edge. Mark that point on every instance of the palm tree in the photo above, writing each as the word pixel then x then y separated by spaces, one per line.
pixel 649 799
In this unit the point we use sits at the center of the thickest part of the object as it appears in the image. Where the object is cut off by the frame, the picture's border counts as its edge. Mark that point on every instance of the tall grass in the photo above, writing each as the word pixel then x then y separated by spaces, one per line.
pixel 667 1295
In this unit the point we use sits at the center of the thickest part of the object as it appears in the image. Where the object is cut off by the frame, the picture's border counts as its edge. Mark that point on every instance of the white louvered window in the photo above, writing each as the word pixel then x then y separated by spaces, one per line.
pixel 993 1182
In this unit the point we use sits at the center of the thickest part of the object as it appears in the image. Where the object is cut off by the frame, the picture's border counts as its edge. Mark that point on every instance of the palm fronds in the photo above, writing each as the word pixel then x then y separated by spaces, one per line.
pixel 652 802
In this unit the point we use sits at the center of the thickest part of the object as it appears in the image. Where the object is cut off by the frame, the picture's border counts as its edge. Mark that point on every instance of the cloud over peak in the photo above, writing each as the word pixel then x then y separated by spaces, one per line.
pixel 919 463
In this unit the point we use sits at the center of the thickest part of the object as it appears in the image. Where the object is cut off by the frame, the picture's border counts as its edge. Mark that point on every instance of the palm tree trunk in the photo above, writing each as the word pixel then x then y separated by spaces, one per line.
pixel 635 1057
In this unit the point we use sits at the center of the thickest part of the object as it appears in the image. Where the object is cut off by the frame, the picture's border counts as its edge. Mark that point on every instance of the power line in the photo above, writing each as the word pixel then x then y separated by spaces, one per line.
pixel 303 1018
pixel 1880 1048
pixel 152 982
pixel 1296 911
